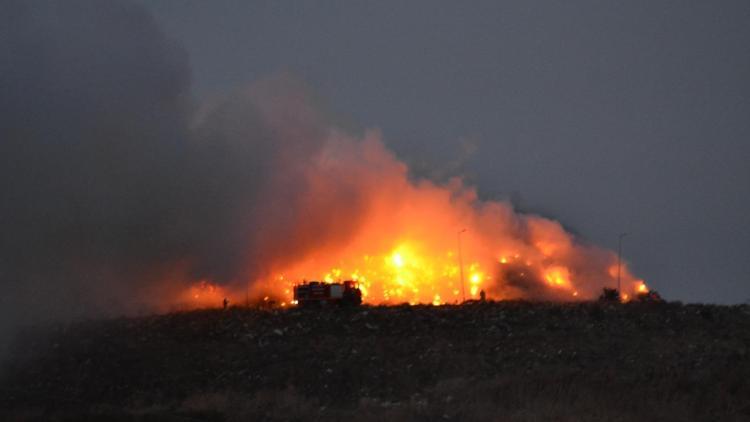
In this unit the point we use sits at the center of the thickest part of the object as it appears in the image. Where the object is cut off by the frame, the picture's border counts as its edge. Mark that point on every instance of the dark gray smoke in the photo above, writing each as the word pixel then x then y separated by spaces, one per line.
pixel 93 118
pixel 109 180
pixel 256 172
pixel 247 167
pixel 104 186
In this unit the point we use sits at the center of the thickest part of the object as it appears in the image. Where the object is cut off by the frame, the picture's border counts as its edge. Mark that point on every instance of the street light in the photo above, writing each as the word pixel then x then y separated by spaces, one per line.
pixel 619 258
pixel 461 265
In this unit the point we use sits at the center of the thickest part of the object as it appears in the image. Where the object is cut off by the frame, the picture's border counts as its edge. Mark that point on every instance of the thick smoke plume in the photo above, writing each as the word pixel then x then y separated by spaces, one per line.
pixel 118 195
pixel 93 121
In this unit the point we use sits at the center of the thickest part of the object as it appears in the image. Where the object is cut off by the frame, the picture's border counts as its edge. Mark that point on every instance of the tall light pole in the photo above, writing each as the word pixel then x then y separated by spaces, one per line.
pixel 461 265
pixel 619 258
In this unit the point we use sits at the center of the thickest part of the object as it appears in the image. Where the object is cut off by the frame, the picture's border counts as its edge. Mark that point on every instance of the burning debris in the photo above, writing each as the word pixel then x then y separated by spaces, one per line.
pixel 242 199
pixel 400 240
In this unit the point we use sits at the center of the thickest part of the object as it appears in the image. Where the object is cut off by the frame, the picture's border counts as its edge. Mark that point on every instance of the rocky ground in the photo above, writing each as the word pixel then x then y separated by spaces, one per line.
pixel 484 361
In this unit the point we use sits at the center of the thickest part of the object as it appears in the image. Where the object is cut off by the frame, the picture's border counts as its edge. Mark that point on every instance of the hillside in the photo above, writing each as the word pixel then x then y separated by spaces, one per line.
pixel 507 360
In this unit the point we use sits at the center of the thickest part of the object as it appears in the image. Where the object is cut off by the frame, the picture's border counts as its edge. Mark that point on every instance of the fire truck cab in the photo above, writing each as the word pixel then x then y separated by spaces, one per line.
pixel 319 293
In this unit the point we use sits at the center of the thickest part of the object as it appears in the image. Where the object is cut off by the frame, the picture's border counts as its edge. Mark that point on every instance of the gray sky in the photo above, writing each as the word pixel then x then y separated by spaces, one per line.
pixel 609 116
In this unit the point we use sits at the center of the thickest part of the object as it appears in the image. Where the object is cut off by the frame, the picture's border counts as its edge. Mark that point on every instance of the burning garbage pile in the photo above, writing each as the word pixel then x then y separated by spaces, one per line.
pixel 410 241
pixel 261 191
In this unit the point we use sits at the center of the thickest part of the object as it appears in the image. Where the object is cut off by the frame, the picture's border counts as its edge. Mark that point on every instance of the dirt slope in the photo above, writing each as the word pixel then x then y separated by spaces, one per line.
pixel 484 361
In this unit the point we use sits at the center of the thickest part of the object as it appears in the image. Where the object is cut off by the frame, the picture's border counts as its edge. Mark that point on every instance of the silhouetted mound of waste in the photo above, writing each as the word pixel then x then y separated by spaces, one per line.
pixel 486 360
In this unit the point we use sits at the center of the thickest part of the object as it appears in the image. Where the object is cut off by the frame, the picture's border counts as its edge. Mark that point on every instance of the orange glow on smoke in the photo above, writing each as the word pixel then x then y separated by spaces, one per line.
pixel 203 294
pixel 410 242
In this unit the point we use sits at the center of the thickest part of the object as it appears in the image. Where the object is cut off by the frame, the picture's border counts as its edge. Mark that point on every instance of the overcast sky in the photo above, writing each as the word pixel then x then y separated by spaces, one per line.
pixel 609 116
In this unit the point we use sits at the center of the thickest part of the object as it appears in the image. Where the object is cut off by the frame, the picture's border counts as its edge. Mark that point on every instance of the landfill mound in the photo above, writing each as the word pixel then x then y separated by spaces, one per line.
pixel 497 360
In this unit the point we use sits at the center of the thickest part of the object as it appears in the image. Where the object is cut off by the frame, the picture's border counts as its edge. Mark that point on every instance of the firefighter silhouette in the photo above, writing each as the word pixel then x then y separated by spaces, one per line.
pixel 482 296
pixel 226 303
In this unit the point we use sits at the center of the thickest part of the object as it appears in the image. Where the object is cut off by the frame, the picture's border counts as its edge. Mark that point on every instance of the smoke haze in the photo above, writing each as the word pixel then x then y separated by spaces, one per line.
pixel 93 120
pixel 119 192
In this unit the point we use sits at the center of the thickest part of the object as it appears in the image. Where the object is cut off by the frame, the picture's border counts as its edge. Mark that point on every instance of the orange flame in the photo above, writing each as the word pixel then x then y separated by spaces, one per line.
pixel 422 242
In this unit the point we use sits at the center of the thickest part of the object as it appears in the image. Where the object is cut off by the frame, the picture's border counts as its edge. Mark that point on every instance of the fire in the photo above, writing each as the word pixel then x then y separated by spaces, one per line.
pixel 641 287
pixel 557 277
pixel 398 261
pixel 412 272
pixel 361 217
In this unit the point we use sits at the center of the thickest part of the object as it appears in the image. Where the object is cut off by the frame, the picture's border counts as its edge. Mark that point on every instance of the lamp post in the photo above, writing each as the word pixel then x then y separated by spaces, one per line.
pixel 619 258
pixel 461 265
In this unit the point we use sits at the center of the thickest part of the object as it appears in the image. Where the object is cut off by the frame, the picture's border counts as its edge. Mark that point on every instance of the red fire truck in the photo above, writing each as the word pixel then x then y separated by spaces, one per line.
pixel 320 293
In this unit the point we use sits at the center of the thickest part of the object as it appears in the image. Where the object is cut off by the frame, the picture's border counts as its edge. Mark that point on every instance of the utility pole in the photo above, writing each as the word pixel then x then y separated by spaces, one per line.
pixel 461 265
pixel 619 258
